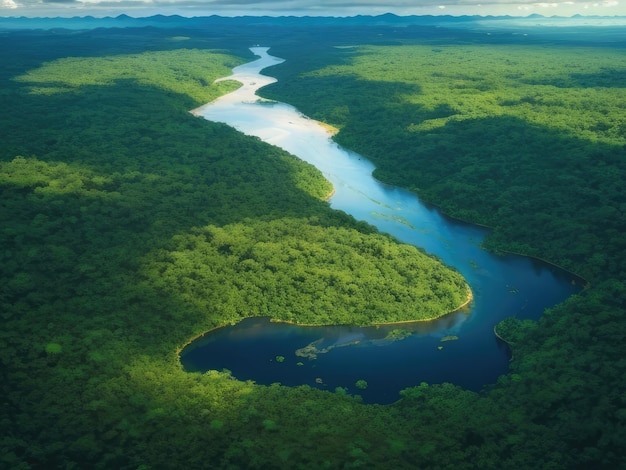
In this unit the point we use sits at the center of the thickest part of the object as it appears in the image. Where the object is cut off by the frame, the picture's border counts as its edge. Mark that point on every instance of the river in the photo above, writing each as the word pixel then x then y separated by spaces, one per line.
pixel 469 354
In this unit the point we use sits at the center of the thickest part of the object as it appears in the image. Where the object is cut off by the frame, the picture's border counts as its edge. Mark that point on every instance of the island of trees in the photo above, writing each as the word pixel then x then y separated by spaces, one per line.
pixel 129 226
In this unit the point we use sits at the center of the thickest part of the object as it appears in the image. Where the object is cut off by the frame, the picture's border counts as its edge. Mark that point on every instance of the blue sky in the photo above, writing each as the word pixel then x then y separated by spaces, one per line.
pixel 139 8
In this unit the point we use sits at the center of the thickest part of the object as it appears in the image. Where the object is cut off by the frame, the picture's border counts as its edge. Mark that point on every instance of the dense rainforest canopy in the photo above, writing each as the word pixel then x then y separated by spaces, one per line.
pixel 128 226
pixel 523 138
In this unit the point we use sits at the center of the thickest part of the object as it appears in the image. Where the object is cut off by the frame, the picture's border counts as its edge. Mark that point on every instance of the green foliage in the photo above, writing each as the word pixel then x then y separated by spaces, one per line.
pixel 111 190
pixel 361 384
pixel 53 348
pixel 127 227
pixel 398 334
pixel 511 329
pixel 296 270
pixel 181 71
pixel 269 425
pixel 528 139
pixel 216 424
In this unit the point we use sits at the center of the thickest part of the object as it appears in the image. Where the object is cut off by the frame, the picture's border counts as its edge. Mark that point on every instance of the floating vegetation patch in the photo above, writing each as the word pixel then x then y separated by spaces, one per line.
pixel 398 334
pixel 449 338
pixel 395 218
pixel 312 350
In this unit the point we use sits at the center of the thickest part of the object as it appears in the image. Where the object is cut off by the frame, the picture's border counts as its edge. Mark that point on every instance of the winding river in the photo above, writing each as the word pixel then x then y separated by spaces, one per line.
pixel 459 348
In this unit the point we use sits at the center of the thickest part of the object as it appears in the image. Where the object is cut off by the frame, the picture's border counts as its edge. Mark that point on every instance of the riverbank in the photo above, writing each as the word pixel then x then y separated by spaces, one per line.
pixel 464 305
pixel 577 277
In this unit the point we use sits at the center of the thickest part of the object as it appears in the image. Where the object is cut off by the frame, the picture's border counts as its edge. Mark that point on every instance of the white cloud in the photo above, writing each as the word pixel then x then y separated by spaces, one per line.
pixel 9 4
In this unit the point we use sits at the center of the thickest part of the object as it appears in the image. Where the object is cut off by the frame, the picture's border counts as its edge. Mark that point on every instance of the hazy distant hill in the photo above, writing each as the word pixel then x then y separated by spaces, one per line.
pixel 175 21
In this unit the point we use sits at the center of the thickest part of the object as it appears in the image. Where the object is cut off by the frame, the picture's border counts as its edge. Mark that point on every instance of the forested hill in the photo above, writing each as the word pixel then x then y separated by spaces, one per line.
pixel 128 226
pixel 386 20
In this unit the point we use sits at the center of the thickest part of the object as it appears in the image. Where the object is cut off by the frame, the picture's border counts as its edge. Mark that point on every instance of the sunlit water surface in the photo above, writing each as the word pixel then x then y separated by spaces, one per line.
pixel 330 357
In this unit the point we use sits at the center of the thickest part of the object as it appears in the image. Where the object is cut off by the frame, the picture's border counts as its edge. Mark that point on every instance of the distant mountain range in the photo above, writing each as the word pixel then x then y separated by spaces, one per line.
pixel 175 21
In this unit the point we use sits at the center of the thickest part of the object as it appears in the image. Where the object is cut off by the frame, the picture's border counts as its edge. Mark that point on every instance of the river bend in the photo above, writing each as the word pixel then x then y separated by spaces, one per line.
pixel 469 354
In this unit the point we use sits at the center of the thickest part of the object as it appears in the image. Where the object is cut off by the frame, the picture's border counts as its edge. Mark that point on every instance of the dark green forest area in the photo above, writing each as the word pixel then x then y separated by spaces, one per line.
pixel 528 138
pixel 129 226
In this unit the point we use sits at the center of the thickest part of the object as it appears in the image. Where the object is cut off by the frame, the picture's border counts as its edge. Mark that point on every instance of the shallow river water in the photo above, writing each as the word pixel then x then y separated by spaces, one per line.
pixel 330 357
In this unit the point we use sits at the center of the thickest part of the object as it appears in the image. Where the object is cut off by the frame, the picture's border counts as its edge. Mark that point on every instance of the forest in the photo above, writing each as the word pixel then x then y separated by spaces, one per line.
pixel 130 226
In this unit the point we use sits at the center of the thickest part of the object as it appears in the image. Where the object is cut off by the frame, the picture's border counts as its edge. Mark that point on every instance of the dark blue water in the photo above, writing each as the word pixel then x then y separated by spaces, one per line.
pixel 473 357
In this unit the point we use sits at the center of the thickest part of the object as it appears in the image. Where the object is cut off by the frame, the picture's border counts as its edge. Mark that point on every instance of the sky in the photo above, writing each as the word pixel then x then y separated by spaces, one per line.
pixel 140 8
